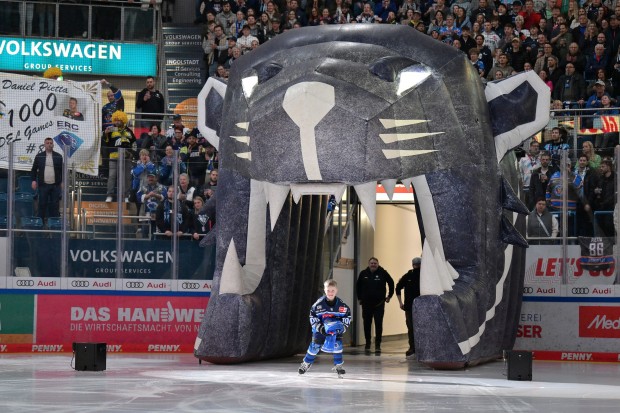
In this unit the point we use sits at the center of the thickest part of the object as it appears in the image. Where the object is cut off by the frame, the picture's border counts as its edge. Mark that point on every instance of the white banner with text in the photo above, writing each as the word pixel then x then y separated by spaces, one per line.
pixel 35 108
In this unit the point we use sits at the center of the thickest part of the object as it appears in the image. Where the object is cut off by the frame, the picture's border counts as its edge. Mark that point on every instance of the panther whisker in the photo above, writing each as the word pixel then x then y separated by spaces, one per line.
pixel 245 155
pixel 242 139
pixel 398 153
pixel 394 137
pixel 395 123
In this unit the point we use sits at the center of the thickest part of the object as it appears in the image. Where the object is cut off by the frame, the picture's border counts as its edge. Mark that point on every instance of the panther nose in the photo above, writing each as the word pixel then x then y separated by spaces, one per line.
pixel 307 103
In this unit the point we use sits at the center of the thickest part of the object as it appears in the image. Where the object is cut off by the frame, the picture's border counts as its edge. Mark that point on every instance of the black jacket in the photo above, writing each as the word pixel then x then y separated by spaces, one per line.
pixel 163 216
pixel 410 282
pixel 38 167
pixel 155 104
pixel 570 88
pixel 371 287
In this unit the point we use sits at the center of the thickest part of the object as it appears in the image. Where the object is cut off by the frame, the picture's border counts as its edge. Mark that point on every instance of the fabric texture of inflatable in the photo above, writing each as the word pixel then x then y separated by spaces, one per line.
pixel 316 109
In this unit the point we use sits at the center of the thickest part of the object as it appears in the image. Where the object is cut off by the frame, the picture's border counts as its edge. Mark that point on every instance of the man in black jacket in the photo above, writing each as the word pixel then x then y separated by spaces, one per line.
pixel 570 87
pixel 149 101
pixel 410 282
pixel 372 296
pixel 540 178
pixel 47 178
pixel 602 197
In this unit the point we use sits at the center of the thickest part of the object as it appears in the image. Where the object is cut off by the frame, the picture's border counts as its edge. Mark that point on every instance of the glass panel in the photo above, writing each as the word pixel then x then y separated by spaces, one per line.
pixel 106 23
pixel 73 21
pixel 10 17
pixel 138 24
pixel 40 19
pixel 577 152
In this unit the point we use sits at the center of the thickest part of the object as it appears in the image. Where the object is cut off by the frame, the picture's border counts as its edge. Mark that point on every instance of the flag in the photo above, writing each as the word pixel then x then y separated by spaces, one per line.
pixel 610 123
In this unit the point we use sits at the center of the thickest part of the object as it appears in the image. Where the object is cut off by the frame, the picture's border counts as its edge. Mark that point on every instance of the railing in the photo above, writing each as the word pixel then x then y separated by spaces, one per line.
pixel 82 226
pixel 86 20
pixel 84 241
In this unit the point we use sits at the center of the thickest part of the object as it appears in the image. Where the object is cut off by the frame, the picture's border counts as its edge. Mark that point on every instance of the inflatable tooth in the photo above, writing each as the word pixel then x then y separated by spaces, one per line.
pixel 316 109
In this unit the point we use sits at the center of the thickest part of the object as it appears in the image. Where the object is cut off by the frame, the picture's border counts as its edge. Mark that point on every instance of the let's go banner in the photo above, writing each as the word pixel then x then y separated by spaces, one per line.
pixel 34 108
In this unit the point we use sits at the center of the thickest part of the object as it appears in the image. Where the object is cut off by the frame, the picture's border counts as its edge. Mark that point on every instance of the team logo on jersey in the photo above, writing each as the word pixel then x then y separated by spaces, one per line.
pixel 342 309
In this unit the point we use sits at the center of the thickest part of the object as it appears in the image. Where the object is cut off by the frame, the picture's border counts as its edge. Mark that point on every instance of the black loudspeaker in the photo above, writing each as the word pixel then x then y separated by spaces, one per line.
pixel 519 365
pixel 89 356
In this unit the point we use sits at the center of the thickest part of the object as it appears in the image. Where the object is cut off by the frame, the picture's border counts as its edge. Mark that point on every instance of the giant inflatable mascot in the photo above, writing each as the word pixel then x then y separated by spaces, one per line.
pixel 319 108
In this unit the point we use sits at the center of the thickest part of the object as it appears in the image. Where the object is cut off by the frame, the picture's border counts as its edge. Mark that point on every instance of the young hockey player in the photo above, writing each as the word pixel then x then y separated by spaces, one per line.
pixel 329 318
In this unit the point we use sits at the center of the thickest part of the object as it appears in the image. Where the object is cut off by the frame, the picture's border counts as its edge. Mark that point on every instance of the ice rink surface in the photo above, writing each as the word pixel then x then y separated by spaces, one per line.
pixel 373 383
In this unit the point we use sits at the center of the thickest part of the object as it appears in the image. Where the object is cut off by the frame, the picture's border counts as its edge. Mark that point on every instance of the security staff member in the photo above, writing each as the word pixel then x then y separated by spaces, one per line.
pixel 410 282
pixel 372 296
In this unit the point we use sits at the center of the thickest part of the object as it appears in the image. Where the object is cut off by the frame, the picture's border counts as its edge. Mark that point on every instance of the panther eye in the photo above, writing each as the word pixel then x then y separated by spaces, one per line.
pixel 267 71
pixel 259 74
pixel 411 77
pixel 248 84
pixel 388 68
pixel 408 73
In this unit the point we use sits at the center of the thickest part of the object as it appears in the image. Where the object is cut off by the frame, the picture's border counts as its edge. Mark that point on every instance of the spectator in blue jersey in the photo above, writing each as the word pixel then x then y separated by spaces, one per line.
pixel 383 8
pixel 556 145
pixel 555 194
pixel 329 318
pixel 166 166
pixel 115 102
pixel 139 175
pixel 151 193
pixel 476 61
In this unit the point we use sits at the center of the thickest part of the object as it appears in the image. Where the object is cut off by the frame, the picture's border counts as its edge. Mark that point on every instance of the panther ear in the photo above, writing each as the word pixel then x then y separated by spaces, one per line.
pixel 210 106
pixel 519 108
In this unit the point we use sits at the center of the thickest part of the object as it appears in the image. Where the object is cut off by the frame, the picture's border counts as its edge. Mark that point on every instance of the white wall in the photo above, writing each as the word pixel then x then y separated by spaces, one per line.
pixel 395 242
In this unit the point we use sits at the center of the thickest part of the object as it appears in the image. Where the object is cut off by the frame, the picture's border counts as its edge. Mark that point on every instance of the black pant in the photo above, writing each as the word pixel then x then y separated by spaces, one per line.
pixel 370 312
pixel 49 197
pixel 409 322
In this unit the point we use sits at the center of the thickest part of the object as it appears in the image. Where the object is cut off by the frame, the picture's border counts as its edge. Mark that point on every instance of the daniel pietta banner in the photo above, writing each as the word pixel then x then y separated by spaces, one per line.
pixel 35 108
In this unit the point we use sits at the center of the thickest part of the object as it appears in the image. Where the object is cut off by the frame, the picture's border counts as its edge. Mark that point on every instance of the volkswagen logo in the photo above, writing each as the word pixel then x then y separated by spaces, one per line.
pixel 190 286
pixel 80 283
pixel 528 290
pixel 580 290
pixel 134 284
pixel 24 283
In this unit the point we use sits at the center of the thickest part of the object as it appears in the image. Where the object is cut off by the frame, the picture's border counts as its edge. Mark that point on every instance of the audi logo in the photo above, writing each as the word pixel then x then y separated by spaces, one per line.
pixel 80 283
pixel 190 286
pixel 134 284
pixel 24 283
pixel 580 290
pixel 528 290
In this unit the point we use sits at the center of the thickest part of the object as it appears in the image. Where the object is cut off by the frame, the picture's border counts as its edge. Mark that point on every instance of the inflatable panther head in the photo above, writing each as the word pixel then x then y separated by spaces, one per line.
pixel 316 109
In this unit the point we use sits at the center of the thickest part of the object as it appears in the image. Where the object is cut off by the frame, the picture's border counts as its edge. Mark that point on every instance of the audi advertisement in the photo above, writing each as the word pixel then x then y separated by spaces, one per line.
pixel 202 287
pixel 571 290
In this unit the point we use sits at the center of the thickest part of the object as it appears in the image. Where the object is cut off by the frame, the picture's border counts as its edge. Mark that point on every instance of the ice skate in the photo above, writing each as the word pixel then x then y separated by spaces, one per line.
pixel 339 370
pixel 304 367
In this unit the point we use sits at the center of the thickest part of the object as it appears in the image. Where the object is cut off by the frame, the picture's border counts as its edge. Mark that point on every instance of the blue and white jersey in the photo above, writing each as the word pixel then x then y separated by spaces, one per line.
pixel 322 310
